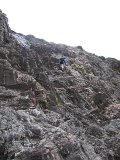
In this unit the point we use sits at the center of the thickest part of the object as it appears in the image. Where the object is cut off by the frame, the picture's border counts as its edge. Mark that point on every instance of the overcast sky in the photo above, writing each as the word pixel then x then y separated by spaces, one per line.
pixel 93 24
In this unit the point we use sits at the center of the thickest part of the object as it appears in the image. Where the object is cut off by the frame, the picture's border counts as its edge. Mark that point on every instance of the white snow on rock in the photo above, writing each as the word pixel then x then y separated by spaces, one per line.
pixel 21 40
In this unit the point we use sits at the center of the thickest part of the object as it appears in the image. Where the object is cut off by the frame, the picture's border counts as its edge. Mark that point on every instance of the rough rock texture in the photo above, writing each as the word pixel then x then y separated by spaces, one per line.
pixel 47 114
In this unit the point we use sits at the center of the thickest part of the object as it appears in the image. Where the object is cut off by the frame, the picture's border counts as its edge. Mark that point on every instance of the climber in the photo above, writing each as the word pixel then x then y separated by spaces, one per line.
pixel 63 63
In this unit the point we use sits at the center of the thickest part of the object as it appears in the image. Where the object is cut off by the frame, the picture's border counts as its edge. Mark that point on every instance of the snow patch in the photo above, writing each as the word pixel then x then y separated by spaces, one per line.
pixel 21 40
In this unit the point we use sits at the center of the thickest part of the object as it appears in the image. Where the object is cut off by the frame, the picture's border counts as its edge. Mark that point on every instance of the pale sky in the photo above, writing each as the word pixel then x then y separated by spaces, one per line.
pixel 93 24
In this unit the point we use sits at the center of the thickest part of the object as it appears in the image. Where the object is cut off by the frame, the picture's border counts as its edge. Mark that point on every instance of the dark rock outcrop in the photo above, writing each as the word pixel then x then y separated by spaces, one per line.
pixel 47 114
pixel 4 29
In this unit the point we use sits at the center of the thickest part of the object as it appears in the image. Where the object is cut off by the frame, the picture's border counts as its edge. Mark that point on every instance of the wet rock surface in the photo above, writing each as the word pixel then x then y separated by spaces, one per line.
pixel 47 114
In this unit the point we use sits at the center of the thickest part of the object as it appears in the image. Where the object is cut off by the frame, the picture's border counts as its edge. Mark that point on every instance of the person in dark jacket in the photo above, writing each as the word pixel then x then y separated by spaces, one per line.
pixel 63 63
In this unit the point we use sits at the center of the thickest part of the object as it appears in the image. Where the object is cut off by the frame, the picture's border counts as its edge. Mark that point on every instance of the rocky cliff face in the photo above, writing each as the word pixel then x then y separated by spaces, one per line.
pixel 47 114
